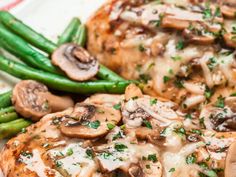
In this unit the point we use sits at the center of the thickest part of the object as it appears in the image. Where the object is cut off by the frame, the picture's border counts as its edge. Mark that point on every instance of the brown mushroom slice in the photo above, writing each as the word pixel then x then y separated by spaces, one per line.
pixel 230 161
pixel 230 39
pixel 172 22
pixel 181 19
pixel 228 8
pixel 76 62
pixel 198 39
pixel 90 121
pixel 32 100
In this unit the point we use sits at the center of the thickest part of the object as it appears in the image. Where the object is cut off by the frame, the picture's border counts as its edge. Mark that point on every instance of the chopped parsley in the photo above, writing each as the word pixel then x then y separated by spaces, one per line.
pixel 212 63
pixel 163 132
pixel 233 30
pixel 166 79
pixel 176 58
pixel 171 71
pixel 117 106
pixel 106 155
pixel 233 94
pixel 110 126
pixel 157 23
pixel 195 131
pixel 152 157
pixel 144 78
pixel 217 12
pixel 172 170
pixel 188 116
pixel 179 83
pixel 148 166
pixel 89 153
pixel 208 93
pixel 153 101
pixel 147 124
pixel 27 154
pixel 202 122
pixel 180 131
pixel 69 152
pixel 117 136
pixel 220 103
pixel 120 147
pixel 191 159
pixel 207 14
pixel 95 124
pixel 59 164
pixel 180 45
pixel 141 48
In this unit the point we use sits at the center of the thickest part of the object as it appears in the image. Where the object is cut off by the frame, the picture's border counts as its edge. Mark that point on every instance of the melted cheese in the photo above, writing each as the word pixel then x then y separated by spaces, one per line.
pixel 77 163
pixel 35 164
pixel 177 160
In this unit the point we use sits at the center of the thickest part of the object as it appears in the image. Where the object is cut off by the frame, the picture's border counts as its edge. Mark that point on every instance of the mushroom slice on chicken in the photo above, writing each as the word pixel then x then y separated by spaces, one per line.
pixel 220 118
pixel 230 163
pixel 203 39
pixel 135 111
pixel 89 121
pixel 76 62
pixel 33 100
pixel 228 8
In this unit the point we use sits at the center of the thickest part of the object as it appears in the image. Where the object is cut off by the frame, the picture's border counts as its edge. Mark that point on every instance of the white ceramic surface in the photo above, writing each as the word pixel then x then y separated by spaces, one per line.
pixel 48 17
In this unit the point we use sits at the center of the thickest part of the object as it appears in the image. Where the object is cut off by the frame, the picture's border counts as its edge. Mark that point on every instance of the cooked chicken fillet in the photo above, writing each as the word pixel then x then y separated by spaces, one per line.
pixel 147 137
pixel 183 50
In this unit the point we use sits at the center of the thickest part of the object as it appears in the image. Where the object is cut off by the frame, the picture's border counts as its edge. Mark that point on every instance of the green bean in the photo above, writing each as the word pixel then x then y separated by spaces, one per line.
pixel 26 53
pixel 81 36
pixel 5 99
pixel 69 32
pixel 7 110
pixel 19 47
pixel 7 117
pixel 109 75
pixel 10 129
pixel 59 82
pixel 31 36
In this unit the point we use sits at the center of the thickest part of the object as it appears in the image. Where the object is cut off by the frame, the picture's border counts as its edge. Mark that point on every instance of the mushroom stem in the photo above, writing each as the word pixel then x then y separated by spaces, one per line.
pixel 57 103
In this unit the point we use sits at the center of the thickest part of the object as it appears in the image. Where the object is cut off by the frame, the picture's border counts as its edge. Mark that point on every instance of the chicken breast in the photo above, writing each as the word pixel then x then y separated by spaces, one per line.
pixel 175 48
pixel 131 135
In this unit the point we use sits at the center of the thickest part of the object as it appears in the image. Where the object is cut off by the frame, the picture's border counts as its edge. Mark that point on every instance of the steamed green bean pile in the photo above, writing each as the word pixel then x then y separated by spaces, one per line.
pixel 33 49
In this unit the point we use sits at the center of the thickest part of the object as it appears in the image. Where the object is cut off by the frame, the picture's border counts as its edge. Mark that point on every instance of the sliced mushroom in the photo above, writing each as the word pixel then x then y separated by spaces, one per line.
pixel 230 162
pixel 219 119
pixel 136 171
pixel 198 39
pixel 75 61
pixel 89 121
pixel 33 100
pixel 230 39
pixel 228 8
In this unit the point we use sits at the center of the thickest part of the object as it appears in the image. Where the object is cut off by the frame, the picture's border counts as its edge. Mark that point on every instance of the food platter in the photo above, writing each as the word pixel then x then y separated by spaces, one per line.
pixel 104 88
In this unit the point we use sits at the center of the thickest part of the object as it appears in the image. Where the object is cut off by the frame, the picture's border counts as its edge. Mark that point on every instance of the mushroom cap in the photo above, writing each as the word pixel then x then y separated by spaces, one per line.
pixel 75 61
pixel 230 162
pixel 90 121
pixel 29 101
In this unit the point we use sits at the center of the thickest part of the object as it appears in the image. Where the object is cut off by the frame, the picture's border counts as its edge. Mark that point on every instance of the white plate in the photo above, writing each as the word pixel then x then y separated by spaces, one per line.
pixel 48 17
